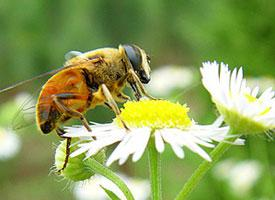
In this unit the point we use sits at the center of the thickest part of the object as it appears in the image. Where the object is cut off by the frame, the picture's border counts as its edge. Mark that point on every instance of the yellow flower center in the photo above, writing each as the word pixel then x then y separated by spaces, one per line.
pixel 155 114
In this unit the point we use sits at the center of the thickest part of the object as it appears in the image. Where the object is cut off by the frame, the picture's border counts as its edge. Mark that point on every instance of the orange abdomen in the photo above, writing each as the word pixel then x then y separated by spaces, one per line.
pixel 71 89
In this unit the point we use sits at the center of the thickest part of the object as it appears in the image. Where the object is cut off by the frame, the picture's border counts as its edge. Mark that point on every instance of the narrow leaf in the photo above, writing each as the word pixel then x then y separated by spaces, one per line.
pixel 110 194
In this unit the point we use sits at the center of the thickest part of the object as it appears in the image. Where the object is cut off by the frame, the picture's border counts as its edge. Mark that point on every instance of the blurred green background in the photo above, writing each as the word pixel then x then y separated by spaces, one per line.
pixel 35 34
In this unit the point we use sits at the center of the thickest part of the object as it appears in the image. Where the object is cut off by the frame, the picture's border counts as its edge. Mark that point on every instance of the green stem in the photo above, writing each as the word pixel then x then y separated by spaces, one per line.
pixel 155 170
pixel 98 168
pixel 262 153
pixel 194 180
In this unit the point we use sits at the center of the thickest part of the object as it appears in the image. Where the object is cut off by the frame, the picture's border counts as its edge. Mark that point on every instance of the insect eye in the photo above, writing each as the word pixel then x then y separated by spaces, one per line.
pixel 134 55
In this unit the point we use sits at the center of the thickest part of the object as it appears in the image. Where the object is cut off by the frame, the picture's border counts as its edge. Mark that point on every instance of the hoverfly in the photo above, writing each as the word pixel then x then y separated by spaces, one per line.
pixel 89 79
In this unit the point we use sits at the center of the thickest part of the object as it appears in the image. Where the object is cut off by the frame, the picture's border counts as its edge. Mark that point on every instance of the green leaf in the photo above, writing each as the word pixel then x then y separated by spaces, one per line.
pixel 110 194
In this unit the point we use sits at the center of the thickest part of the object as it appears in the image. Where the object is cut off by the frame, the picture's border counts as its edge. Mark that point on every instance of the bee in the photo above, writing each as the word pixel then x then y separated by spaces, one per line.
pixel 89 79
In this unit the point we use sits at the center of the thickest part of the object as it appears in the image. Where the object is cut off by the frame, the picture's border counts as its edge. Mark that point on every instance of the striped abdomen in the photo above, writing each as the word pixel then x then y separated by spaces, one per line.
pixel 70 87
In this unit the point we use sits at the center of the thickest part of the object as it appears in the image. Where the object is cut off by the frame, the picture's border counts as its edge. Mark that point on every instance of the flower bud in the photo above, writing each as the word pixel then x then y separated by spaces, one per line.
pixel 78 168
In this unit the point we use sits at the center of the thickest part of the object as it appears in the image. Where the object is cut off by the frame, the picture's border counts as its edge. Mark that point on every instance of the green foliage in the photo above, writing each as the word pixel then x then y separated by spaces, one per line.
pixel 36 34
pixel 110 194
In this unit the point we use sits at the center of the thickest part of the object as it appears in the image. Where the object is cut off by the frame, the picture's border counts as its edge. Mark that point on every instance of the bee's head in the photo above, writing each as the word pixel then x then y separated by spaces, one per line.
pixel 139 60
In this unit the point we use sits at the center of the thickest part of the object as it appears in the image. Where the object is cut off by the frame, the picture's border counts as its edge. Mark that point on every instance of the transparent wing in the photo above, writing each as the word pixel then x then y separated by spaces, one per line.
pixel 31 80
pixel 25 115
pixel 18 101
pixel 26 112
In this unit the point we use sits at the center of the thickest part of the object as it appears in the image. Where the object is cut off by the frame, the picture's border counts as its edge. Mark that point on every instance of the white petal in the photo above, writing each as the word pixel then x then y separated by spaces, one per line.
pixel 159 141
pixel 195 148
pixel 82 149
pixel 218 122
pixel 178 150
pixel 122 160
pixel 239 80
pixel 233 85
pixel 143 143
pixel 118 152
pixel 134 143
pixel 255 92
pixel 172 140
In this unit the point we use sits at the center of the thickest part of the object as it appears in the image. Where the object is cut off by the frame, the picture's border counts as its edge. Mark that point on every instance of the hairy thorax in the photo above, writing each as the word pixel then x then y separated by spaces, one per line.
pixel 103 66
pixel 109 70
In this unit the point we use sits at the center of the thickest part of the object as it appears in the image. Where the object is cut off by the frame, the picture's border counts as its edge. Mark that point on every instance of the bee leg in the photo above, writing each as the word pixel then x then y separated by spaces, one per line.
pixel 139 86
pixel 68 111
pixel 61 132
pixel 106 104
pixel 112 104
pixel 122 97
pixel 121 82
pixel 68 144
pixel 137 93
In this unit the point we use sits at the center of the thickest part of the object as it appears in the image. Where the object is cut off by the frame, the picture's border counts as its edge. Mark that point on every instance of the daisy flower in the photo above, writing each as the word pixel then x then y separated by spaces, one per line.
pixel 180 78
pixel 241 176
pixel 93 188
pixel 10 144
pixel 161 120
pixel 243 108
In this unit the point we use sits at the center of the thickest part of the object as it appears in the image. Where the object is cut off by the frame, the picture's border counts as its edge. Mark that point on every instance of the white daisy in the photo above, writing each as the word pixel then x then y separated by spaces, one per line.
pixel 243 108
pixel 92 189
pixel 9 144
pixel 180 78
pixel 241 176
pixel 163 121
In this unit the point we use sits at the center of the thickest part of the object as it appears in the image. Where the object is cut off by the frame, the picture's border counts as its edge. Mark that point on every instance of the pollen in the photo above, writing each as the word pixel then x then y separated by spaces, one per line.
pixel 156 114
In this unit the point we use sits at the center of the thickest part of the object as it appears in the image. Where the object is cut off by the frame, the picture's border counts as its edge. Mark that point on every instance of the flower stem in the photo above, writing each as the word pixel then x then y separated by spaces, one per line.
pixel 194 180
pixel 155 170
pixel 98 168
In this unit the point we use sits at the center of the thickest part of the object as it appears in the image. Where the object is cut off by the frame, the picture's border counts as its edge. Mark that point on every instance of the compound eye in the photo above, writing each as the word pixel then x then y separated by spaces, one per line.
pixel 134 55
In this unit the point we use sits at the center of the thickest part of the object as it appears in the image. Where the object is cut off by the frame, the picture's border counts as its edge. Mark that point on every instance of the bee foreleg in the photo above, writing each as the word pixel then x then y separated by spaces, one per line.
pixel 106 104
pixel 109 99
pixel 139 86
pixel 120 84
pixel 122 97
pixel 57 98
pixel 137 92
pixel 112 104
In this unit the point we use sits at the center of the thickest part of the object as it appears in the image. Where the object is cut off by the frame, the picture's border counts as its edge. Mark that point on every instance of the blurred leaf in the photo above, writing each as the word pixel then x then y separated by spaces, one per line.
pixel 110 194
